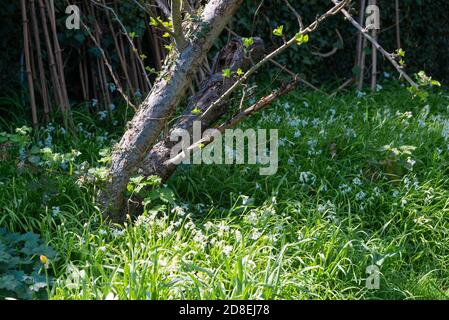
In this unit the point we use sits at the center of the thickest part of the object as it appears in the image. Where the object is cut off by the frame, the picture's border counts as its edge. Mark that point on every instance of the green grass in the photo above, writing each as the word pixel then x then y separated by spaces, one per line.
pixel 338 204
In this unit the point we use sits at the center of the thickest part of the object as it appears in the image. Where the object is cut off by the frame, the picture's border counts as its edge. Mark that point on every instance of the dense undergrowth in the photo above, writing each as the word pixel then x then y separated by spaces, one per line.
pixel 363 180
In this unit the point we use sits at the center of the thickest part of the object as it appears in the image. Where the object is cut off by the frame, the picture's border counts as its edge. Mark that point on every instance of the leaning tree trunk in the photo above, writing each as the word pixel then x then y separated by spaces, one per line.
pixel 168 91
pixel 233 56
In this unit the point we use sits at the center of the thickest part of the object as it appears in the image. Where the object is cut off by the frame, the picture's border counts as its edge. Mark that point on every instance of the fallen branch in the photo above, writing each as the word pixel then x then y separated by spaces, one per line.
pixel 262 103
pixel 312 27
pixel 233 56
pixel 168 91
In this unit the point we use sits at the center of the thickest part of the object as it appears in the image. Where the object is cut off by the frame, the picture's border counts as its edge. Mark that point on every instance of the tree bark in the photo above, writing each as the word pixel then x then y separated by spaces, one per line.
pixel 167 93
pixel 233 56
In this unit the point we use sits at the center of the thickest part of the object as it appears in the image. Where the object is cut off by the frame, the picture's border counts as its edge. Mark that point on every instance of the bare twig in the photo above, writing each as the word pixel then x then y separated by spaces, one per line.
pixel 283 68
pixel 131 43
pixel 344 85
pixel 377 46
pixel 297 15
pixel 262 103
pixel 333 51
pixel 108 65
pixel 312 27
pixel 291 73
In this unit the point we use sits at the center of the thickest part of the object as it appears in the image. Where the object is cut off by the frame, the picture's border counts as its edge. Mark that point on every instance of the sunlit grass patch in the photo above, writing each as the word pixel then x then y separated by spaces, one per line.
pixel 363 180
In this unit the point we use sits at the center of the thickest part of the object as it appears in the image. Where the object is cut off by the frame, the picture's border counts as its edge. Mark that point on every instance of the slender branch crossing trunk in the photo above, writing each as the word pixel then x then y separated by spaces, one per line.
pixel 233 57
pixel 168 91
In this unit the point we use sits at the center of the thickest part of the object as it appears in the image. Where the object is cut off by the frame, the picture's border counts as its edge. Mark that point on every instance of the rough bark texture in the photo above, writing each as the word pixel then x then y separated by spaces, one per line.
pixel 242 115
pixel 233 56
pixel 167 93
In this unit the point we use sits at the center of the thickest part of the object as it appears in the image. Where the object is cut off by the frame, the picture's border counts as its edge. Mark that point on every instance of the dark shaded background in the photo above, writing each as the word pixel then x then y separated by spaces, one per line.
pixel 424 33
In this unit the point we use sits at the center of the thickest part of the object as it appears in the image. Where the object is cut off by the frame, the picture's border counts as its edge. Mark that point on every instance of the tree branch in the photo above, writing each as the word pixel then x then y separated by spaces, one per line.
pixel 377 46
pixel 312 27
pixel 131 43
pixel 262 103
pixel 110 69
pixel 177 24
pixel 297 15
pixel 168 91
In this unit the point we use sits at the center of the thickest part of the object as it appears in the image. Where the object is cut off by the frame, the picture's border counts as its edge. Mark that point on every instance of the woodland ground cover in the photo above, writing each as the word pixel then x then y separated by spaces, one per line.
pixel 363 180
